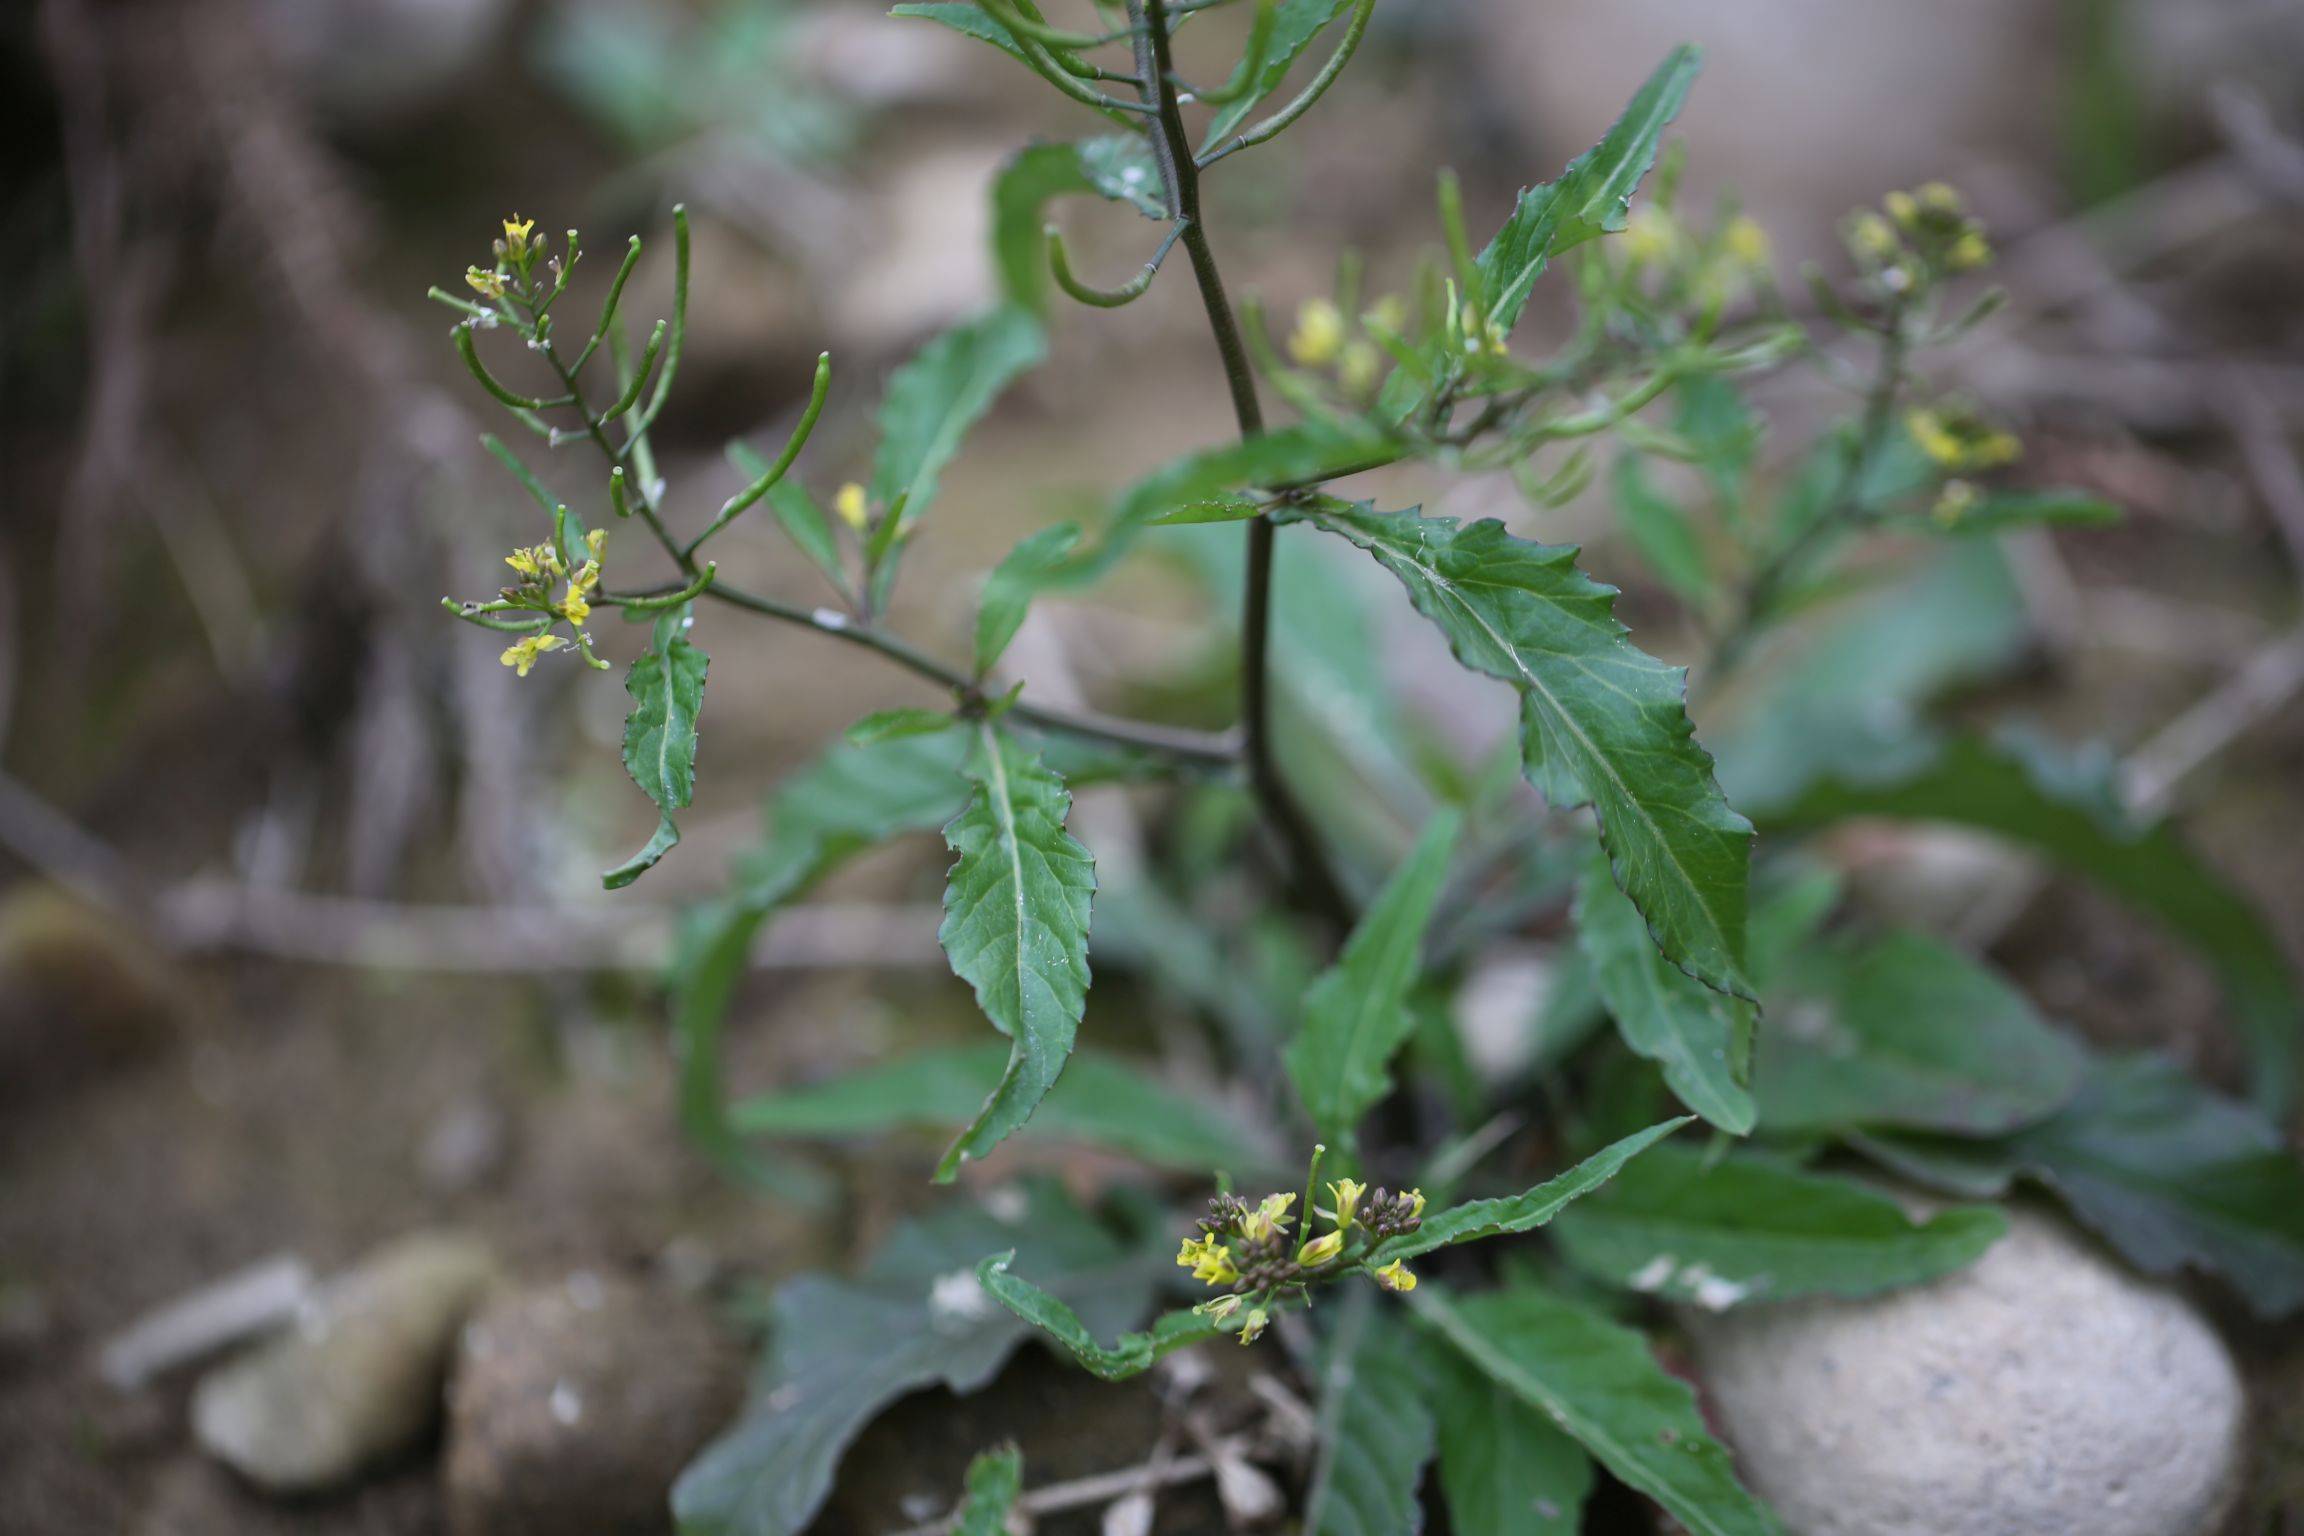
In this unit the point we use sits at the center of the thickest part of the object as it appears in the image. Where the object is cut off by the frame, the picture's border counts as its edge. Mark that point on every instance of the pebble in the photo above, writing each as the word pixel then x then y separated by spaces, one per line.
pixel 355 1380
pixel 2042 1385
pixel 574 1404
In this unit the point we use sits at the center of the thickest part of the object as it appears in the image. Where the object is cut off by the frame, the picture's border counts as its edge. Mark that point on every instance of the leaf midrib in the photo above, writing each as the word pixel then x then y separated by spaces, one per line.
pixel 1536 685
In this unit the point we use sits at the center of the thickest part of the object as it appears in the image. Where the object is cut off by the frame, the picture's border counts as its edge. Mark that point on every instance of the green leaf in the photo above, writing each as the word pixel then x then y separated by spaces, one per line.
pixel 1294 25
pixel 1009 590
pixel 1016 927
pixel 1303 454
pixel 1375 1429
pixel 2171 1175
pixel 1852 682
pixel 995 1480
pixel 842 1350
pixel 934 399
pixel 1906 1031
pixel 803 522
pixel 2006 511
pixel 1592 197
pixel 1130 1355
pixel 1102 1100
pixel 965 18
pixel 2064 805
pixel 1743 1229
pixel 1117 166
pixel 667 688
pixel 850 799
pixel 1529 1210
pixel 1597 1382
pixel 1356 1015
pixel 1506 1471
pixel 1661 532
pixel 1603 720
pixel 895 724
pixel 1701 1038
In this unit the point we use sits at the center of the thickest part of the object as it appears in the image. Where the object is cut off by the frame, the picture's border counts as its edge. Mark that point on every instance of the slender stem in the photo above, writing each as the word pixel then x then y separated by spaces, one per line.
pixel 1212 748
pixel 1173 149
pixel 1777 572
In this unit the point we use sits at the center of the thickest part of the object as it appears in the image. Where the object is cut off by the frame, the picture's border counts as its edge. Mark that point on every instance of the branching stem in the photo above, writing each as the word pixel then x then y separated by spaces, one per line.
pixel 1173 150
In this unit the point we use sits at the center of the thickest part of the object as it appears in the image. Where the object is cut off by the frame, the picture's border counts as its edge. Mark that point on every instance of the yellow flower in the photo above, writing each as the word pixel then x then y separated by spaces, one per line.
pixel 1970 251
pixel 1650 236
pixel 1359 367
pixel 1347 1193
pixel 1209 1260
pixel 853 509
pixel 516 232
pixel 1941 197
pixel 1396 1278
pixel 489 285
pixel 1387 314
pixel 1220 1309
pixel 1959 441
pixel 1871 236
pixel 1745 242
pixel 528 562
pixel 1903 207
pixel 1416 1204
pixel 1319 337
pixel 1320 1250
pixel 523 653
pixel 1253 1329
pixel 1958 498
pixel 596 541
pixel 1267 1218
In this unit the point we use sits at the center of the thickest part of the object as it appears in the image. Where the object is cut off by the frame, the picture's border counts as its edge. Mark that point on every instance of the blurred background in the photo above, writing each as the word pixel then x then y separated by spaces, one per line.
pixel 302 946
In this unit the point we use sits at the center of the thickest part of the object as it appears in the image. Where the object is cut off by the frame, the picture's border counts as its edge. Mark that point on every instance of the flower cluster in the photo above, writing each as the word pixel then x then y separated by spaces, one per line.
pixel 1324 340
pixel 1248 1249
pixel 1916 238
pixel 1961 442
pixel 538 569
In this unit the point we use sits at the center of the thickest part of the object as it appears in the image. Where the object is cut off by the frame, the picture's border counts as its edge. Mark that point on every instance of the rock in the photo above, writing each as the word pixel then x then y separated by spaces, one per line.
pixel 357 1379
pixel 2042 1390
pixel 573 1405
pixel 246 1302
pixel 79 994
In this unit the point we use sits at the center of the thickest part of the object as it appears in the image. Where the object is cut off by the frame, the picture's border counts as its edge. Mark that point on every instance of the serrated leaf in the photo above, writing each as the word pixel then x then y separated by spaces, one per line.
pixel 1375 1428
pixel 667 688
pixel 1592 197
pixel 1504 1469
pixel 1009 590
pixel 1102 1100
pixel 1603 720
pixel 1131 1354
pixel 1356 1015
pixel 1294 25
pixel 1718 1234
pixel 842 1350
pixel 1701 1038
pixel 1600 1385
pixel 2063 804
pixel 995 1480
pixel 1016 927
pixel 1906 1031
pixel 934 400
pixel 1524 1212
pixel 848 800
pixel 2169 1173
pixel 1117 166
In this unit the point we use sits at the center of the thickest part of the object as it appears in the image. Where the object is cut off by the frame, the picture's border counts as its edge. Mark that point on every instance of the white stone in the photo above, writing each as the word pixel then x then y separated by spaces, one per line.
pixel 2043 1391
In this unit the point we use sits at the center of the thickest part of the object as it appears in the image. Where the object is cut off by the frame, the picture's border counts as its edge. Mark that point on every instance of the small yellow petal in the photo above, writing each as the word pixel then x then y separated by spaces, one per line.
pixel 1319 336
pixel 1320 1250
pixel 852 506
pixel 1396 1277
